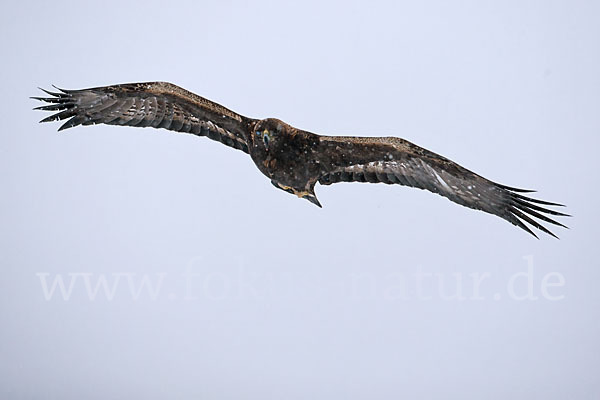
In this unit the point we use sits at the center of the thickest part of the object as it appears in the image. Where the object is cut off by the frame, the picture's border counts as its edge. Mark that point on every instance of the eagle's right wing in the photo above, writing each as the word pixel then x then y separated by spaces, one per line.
pixel 393 160
pixel 155 104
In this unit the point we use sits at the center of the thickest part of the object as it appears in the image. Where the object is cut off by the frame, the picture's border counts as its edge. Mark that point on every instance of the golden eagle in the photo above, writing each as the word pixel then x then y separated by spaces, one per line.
pixel 295 160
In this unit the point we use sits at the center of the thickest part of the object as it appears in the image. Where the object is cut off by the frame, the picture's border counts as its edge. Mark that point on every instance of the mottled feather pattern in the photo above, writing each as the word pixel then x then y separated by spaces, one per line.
pixel 154 104
pixel 295 160
pixel 401 162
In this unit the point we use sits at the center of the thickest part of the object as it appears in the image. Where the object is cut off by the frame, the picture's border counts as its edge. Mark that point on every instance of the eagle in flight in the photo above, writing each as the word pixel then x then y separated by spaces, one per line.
pixel 295 160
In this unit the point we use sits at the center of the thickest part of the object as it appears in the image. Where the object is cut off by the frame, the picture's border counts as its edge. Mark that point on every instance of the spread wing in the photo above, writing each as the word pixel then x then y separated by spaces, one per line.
pixel 393 160
pixel 155 104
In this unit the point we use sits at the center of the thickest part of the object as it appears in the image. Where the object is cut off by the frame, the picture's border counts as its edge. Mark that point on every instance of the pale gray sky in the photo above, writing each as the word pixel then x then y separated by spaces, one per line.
pixel 256 294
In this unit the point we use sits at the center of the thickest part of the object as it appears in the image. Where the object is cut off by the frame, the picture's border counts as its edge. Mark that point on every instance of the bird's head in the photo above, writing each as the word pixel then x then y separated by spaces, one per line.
pixel 268 134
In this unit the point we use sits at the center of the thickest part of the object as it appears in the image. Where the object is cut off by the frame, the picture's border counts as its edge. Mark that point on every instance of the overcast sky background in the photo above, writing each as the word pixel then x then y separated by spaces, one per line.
pixel 258 294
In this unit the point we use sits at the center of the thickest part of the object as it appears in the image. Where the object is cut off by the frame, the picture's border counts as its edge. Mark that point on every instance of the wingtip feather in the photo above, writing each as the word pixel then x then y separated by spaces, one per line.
pixel 532 222
pixel 514 189
pixel 51 93
pixel 64 127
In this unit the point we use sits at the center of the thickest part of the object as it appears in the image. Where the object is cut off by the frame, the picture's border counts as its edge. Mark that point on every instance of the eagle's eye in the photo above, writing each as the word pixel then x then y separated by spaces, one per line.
pixel 263 132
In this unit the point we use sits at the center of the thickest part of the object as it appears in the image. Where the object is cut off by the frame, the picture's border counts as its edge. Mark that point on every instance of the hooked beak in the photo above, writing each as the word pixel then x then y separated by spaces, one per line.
pixel 266 138
pixel 313 199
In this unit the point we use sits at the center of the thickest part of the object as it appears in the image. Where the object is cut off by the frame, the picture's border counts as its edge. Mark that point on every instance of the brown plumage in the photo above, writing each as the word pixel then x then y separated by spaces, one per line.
pixel 295 160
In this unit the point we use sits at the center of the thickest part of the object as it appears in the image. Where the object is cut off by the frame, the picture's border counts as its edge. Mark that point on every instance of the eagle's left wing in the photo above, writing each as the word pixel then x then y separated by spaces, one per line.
pixel 155 104
pixel 392 160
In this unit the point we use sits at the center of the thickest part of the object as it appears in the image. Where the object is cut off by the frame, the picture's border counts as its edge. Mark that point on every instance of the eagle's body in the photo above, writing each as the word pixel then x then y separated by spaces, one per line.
pixel 295 160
